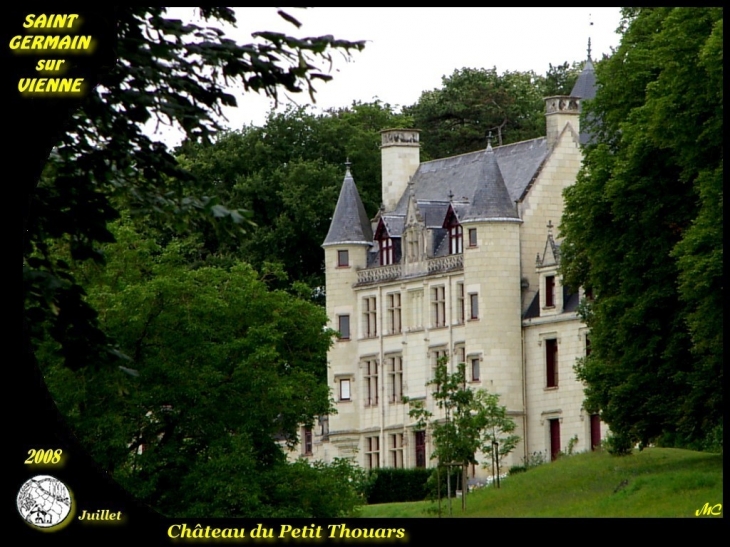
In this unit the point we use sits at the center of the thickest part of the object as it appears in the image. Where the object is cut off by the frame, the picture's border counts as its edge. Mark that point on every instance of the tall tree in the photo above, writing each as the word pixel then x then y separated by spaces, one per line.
pixel 288 173
pixel 643 229
pixel 103 160
pixel 457 117
pixel 221 376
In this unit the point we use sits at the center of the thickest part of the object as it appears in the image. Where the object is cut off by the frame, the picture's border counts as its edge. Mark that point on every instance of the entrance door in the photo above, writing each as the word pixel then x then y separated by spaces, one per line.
pixel 554 439
pixel 595 432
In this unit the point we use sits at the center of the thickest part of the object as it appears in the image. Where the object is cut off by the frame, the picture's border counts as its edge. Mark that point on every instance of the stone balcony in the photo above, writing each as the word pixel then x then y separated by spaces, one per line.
pixel 393 272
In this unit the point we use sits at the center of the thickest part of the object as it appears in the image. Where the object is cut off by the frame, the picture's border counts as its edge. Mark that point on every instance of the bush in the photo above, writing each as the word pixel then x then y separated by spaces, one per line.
pixel 517 469
pixel 389 485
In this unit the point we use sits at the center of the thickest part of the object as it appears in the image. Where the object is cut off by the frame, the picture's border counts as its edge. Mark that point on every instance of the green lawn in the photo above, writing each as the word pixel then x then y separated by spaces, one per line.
pixel 657 482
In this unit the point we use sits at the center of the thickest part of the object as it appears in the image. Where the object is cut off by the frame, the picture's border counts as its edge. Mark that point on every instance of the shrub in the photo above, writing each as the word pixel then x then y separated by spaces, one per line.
pixel 389 485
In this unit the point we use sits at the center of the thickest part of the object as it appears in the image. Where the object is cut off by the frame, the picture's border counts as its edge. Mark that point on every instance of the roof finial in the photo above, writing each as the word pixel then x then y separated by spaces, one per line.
pixel 489 140
pixel 590 24
pixel 451 195
pixel 347 165
pixel 550 227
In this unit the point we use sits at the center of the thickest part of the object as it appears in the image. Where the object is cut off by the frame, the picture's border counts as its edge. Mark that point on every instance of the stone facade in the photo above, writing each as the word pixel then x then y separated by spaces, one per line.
pixel 461 262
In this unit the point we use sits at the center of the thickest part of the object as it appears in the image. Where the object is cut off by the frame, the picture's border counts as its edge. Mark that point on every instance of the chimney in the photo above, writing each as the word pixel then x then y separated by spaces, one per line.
pixel 400 157
pixel 561 110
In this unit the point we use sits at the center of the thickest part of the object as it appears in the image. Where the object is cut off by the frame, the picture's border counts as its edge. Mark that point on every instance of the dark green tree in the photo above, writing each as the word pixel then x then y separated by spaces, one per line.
pixel 288 173
pixel 103 161
pixel 643 230
pixel 457 117
pixel 222 374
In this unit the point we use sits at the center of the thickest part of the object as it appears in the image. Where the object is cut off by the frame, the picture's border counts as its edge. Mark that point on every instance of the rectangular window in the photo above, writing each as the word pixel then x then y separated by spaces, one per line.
pixel 438 307
pixel 371 382
pixel 474 302
pixel 460 355
pixel 307 441
pixel 345 389
pixel 395 373
pixel 343 325
pixel 475 372
pixel 394 313
pixel 551 362
pixel 460 312
pixel 343 259
pixel 369 316
pixel 588 345
pixel 456 236
pixel 472 237
pixel 386 251
pixel 550 291
pixel 396 450
pixel 420 445
pixel 436 355
pixel 595 432
pixel 372 452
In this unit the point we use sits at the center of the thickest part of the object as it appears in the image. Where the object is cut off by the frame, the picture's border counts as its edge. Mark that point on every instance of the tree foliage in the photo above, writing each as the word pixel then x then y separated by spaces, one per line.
pixel 222 373
pixel 457 117
pixel 167 71
pixel 288 173
pixel 472 421
pixel 643 229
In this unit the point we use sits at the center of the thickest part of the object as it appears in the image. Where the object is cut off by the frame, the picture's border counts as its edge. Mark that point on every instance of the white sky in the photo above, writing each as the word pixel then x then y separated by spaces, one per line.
pixel 409 50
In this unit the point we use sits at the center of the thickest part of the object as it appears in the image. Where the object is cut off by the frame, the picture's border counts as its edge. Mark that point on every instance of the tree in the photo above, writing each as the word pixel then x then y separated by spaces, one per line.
pixel 472 421
pixel 288 173
pixel 643 229
pixel 103 161
pixel 457 117
pixel 221 376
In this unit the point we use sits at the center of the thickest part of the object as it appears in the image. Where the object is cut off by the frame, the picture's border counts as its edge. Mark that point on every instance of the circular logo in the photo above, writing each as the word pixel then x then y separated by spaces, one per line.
pixel 44 501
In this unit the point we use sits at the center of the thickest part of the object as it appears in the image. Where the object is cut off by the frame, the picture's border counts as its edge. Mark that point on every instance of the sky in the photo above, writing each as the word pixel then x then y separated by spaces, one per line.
pixel 410 50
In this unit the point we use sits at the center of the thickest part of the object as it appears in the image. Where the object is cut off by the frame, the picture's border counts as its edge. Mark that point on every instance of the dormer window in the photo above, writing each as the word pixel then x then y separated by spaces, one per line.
pixel 549 291
pixel 456 232
pixel 386 251
pixel 456 240
pixel 386 254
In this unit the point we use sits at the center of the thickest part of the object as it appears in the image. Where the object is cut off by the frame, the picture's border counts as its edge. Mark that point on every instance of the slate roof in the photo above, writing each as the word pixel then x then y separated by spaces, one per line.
pixel 585 88
pixel 518 163
pixel 350 223
pixel 570 304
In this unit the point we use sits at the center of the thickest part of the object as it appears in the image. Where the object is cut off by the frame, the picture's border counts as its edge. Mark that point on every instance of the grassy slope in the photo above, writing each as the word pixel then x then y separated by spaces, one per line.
pixel 658 482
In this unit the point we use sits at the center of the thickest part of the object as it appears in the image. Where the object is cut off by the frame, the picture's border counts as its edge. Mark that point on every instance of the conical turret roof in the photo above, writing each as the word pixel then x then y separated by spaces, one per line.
pixel 350 223
pixel 491 199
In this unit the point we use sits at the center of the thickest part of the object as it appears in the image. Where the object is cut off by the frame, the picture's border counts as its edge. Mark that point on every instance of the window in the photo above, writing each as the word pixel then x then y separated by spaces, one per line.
pixel 436 355
pixel 475 372
pixel 395 373
pixel 554 438
pixel 370 317
pixel 343 325
pixel 460 354
pixel 386 251
pixel 345 389
pixel 343 259
pixel 588 345
pixel 396 450
pixel 472 237
pixel 307 441
pixel 420 445
pixel 438 307
pixel 551 362
pixel 394 313
pixel 460 313
pixel 474 302
pixel 549 291
pixel 456 236
pixel 371 382
pixel 372 452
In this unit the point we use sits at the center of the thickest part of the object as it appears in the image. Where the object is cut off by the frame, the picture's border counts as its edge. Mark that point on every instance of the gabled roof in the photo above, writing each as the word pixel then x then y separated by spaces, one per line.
pixel 458 176
pixel 350 223
pixel 491 199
